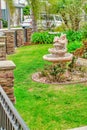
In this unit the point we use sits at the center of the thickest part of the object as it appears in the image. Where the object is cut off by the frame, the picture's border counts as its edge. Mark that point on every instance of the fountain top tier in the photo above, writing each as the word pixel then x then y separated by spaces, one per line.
pixel 58 53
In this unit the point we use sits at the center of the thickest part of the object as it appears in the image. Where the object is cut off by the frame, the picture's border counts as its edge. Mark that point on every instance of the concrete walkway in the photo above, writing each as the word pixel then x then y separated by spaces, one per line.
pixel 80 128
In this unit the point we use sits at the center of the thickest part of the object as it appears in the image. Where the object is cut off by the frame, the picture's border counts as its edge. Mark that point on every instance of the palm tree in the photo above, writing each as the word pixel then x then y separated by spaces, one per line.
pixel 35 10
pixel 0 14
pixel 10 10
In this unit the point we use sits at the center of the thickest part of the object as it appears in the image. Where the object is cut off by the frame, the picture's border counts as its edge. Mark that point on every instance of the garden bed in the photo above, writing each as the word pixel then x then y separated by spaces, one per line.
pixel 75 77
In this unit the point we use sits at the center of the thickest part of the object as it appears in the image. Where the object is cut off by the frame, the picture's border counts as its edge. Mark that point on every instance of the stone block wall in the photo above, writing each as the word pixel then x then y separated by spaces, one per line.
pixel 2 51
pixel 2 38
pixel 10 42
pixel 7 78
pixel 20 37
pixel 28 34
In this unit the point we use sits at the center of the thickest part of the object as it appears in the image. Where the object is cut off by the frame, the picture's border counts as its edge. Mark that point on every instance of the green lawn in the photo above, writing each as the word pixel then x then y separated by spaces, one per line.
pixel 42 106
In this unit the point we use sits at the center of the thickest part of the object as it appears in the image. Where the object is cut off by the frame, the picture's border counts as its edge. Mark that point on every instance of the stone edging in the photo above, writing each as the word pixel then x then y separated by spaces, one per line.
pixel 66 83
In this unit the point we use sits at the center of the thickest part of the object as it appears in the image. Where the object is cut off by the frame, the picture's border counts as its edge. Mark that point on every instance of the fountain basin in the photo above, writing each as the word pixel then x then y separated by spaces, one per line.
pixel 51 58
pixel 59 46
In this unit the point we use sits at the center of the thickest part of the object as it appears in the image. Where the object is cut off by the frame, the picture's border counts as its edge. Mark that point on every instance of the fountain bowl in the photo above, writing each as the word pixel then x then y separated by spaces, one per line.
pixel 51 58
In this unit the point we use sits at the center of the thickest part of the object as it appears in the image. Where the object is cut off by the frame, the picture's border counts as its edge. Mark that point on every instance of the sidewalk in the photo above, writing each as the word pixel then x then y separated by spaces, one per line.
pixel 80 128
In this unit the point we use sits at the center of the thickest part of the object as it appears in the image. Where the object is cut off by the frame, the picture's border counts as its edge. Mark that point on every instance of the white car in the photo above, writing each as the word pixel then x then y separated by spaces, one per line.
pixel 46 21
pixel 27 23
pixel 50 20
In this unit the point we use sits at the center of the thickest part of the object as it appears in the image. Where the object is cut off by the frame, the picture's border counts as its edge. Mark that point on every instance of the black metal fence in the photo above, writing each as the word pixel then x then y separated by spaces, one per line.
pixel 9 117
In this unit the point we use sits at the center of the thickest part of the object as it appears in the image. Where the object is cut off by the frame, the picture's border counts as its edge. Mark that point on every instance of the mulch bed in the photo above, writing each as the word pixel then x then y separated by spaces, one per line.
pixel 76 77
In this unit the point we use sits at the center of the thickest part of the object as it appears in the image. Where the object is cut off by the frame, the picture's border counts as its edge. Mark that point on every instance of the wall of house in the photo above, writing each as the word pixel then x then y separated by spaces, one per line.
pixel 19 1
pixel 17 17
pixel 3 5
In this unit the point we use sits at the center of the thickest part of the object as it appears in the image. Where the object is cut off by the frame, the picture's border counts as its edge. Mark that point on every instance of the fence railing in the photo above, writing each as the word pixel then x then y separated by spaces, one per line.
pixel 9 117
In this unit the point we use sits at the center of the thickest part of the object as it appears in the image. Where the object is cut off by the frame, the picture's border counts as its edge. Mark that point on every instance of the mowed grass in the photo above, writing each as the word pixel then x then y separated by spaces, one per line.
pixel 42 106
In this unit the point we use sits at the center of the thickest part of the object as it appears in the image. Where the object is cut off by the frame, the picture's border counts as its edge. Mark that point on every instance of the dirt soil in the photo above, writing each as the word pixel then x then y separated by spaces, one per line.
pixel 74 77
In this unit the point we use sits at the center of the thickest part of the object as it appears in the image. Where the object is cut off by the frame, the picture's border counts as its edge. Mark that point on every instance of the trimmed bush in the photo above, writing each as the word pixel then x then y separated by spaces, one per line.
pixel 73 35
pixel 5 23
pixel 43 37
pixel 73 46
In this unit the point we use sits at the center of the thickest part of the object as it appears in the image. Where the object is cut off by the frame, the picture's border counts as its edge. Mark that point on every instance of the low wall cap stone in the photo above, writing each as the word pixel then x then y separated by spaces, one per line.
pixel 2 36
pixel 2 44
pixel 7 65
pixel 9 31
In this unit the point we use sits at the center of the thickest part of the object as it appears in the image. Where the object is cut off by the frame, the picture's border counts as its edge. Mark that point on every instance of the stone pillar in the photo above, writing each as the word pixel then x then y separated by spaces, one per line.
pixel 20 37
pixel 10 42
pixel 2 51
pixel 28 35
pixel 7 78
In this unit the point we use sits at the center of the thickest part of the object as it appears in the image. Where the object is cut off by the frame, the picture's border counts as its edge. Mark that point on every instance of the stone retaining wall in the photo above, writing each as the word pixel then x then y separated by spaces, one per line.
pixel 16 37
pixel 7 78
pixel 2 51
pixel 10 42
pixel 28 35
pixel 20 37
pixel 3 39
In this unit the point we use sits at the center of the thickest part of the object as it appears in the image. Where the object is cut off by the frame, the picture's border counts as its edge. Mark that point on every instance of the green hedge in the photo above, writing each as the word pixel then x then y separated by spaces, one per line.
pixel 74 35
pixel 72 46
pixel 74 39
pixel 45 37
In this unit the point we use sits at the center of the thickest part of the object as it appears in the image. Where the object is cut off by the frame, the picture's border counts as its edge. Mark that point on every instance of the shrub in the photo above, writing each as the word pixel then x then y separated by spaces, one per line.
pixel 73 35
pixel 5 23
pixel 60 28
pixel 26 10
pixel 84 32
pixel 43 37
pixel 85 54
pixel 54 72
pixel 74 45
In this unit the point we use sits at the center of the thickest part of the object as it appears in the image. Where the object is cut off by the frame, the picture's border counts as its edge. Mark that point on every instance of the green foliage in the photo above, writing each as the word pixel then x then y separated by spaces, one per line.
pixel 43 37
pixel 10 5
pixel 73 35
pixel 85 54
pixel 84 32
pixel 72 46
pixel 72 64
pixel 60 28
pixel 35 7
pixel 70 11
pixel 85 8
pixel 54 72
pixel 26 10
pixel 85 49
pixel 5 23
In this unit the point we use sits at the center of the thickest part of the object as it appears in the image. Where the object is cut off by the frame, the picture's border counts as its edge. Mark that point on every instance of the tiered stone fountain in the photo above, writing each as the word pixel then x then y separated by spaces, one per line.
pixel 59 56
pixel 59 52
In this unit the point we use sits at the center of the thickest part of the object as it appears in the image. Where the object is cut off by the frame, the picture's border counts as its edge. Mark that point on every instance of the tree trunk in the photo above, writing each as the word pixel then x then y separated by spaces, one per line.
pixel 34 22
pixel 8 16
pixel 0 16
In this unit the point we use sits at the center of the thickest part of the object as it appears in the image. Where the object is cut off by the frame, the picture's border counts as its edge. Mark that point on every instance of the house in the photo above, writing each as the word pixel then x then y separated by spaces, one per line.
pixel 17 17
